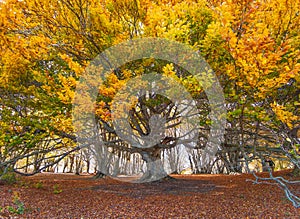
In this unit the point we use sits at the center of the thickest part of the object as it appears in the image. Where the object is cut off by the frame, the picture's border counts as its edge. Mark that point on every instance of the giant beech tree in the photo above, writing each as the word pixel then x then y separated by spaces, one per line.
pixel 253 46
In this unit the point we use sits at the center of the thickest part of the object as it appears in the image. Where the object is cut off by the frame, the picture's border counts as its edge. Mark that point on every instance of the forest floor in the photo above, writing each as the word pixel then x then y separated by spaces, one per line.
pixel 189 196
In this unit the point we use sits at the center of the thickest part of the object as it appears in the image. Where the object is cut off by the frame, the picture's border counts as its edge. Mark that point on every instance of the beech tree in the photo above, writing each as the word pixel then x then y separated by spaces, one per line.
pixel 68 34
pixel 252 46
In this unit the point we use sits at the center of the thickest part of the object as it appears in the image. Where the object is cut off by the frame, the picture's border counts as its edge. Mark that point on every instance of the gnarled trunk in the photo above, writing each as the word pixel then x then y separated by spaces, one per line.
pixel 155 170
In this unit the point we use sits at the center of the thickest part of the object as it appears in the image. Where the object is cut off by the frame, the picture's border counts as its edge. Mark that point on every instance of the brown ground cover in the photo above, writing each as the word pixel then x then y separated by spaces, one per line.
pixel 190 196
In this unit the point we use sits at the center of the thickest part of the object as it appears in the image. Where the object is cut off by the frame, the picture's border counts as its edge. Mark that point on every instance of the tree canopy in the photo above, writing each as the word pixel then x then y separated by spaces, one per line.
pixel 46 46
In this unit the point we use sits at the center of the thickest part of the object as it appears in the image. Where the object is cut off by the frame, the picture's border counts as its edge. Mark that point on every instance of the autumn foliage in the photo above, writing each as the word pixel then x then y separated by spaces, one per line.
pixel 253 46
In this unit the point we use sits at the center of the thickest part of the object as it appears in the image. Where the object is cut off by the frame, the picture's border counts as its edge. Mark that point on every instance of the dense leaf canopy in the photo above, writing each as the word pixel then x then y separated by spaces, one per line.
pixel 253 47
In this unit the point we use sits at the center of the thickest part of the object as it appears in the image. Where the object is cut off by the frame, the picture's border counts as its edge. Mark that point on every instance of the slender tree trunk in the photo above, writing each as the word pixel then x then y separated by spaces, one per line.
pixel 71 163
pixel 78 164
pixel 88 163
pixel 66 163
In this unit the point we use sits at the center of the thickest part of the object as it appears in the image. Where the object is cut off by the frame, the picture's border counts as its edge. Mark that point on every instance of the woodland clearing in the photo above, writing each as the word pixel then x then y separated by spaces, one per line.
pixel 189 196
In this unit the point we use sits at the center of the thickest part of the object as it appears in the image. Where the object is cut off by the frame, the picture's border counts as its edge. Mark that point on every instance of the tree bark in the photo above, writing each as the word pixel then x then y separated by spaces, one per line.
pixel 155 170
pixel 99 175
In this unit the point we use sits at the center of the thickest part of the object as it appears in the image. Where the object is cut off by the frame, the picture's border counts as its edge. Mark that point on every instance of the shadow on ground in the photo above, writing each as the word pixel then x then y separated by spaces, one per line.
pixel 181 187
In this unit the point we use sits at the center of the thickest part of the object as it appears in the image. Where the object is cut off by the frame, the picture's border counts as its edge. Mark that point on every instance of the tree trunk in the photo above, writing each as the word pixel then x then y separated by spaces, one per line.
pixel 27 165
pixel 88 165
pixel 155 170
pixel 78 164
pixel 66 163
pixel 99 175
pixel 71 163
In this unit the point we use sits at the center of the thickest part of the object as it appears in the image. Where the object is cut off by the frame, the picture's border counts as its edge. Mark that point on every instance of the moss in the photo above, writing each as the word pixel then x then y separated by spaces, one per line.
pixel 9 178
